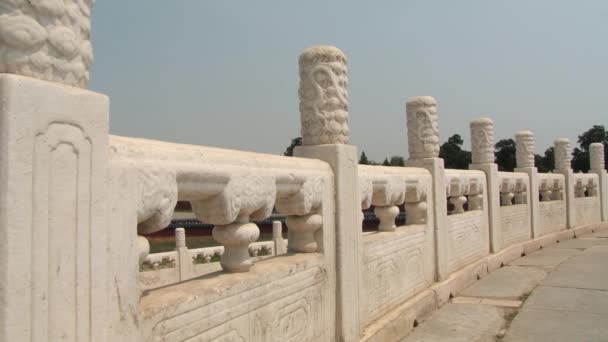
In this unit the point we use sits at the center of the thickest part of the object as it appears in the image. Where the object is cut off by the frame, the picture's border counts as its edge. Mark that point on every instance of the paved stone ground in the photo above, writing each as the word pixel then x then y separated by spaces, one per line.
pixel 557 294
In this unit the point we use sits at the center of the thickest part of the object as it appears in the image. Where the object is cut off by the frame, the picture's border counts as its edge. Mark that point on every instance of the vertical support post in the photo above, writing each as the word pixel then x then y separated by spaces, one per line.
pixel 280 247
pixel 482 153
pixel 423 147
pixel 596 151
pixel 53 201
pixel 324 118
pixel 183 259
pixel 524 155
pixel 562 165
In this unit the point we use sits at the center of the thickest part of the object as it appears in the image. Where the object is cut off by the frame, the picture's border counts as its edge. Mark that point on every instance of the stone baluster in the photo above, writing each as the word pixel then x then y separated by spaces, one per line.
pixel 143 248
pixel 304 227
pixel 598 166
pixel 415 204
pixel 545 190
pixel 475 196
pixel 521 194
pixel 591 188
pixel 457 197
pixel 562 166
pixel 325 135
pixel 236 237
pixel 579 188
pixel 387 216
pixel 557 191
pixel 423 145
pixel 506 192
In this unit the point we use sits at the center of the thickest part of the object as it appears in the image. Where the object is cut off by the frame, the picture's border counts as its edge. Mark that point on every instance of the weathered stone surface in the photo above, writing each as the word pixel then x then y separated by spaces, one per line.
pixel 323 96
pixel 47 40
pixel 460 322
pixel 482 141
pixel 509 282
pixel 545 257
pixel 422 127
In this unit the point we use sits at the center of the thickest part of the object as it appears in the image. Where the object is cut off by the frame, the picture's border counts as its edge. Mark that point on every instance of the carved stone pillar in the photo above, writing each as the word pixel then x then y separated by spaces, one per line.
pixel 482 141
pixel 387 216
pixel 482 155
pixel 323 96
pixel 423 146
pixel 324 118
pixel 598 166
pixel 524 144
pixel 562 165
pixel 422 127
pixel 47 40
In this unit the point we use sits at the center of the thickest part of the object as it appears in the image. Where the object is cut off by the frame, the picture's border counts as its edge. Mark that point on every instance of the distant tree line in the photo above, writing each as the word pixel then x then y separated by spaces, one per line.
pixel 504 150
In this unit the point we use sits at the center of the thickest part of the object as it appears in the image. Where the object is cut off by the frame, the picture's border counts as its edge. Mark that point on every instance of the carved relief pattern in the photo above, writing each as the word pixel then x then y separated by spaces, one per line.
pixel 552 216
pixel 524 147
pixel 515 224
pixel 596 152
pixel 482 141
pixel 394 271
pixel 587 210
pixel 422 127
pixel 285 308
pixel 562 154
pixel 61 281
pixel 323 96
pixel 47 39
pixel 466 238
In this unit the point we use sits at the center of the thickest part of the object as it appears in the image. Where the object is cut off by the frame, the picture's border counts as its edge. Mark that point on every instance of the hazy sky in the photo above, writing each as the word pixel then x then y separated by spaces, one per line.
pixel 225 73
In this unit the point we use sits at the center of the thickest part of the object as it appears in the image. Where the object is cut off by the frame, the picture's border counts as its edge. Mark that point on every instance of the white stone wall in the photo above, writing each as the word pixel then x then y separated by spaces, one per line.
pixel 467 231
pixel 397 263
pixel 515 213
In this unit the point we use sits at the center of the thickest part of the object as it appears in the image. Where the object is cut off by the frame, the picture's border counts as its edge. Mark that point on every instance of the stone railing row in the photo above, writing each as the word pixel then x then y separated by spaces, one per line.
pixel 83 201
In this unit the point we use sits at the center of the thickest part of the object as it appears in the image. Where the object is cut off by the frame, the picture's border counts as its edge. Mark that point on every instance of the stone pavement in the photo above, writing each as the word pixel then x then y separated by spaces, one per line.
pixel 557 294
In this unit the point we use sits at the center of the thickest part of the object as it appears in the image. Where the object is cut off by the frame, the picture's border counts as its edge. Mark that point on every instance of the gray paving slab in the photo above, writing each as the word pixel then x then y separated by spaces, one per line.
pixel 588 270
pixel 545 257
pixel 568 299
pixel 460 323
pixel 509 282
pixel 602 234
pixel 540 325
pixel 578 243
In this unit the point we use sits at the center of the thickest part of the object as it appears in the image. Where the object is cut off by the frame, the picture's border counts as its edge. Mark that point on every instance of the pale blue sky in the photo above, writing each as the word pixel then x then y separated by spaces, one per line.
pixel 224 73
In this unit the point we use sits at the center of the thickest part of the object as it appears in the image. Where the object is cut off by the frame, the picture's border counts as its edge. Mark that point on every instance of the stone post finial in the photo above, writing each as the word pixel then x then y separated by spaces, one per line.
pixel 180 238
pixel 596 154
pixel 482 141
pixel 562 154
pixel 524 147
pixel 422 127
pixel 323 96
pixel 48 40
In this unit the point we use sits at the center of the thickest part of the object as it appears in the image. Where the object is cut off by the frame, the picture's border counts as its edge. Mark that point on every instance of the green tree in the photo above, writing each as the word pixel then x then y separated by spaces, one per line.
pixel 397 161
pixel 504 150
pixel 363 160
pixel 294 142
pixel 386 162
pixel 580 156
pixel 453 155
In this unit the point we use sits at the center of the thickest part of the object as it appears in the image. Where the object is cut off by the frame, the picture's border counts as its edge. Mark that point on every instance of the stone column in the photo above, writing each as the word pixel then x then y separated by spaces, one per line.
pixel 423 146
pixel 482 155
pixel 53 201
pixel 324 117
pixel 524 144
pixel 562 165
pixel 596 154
